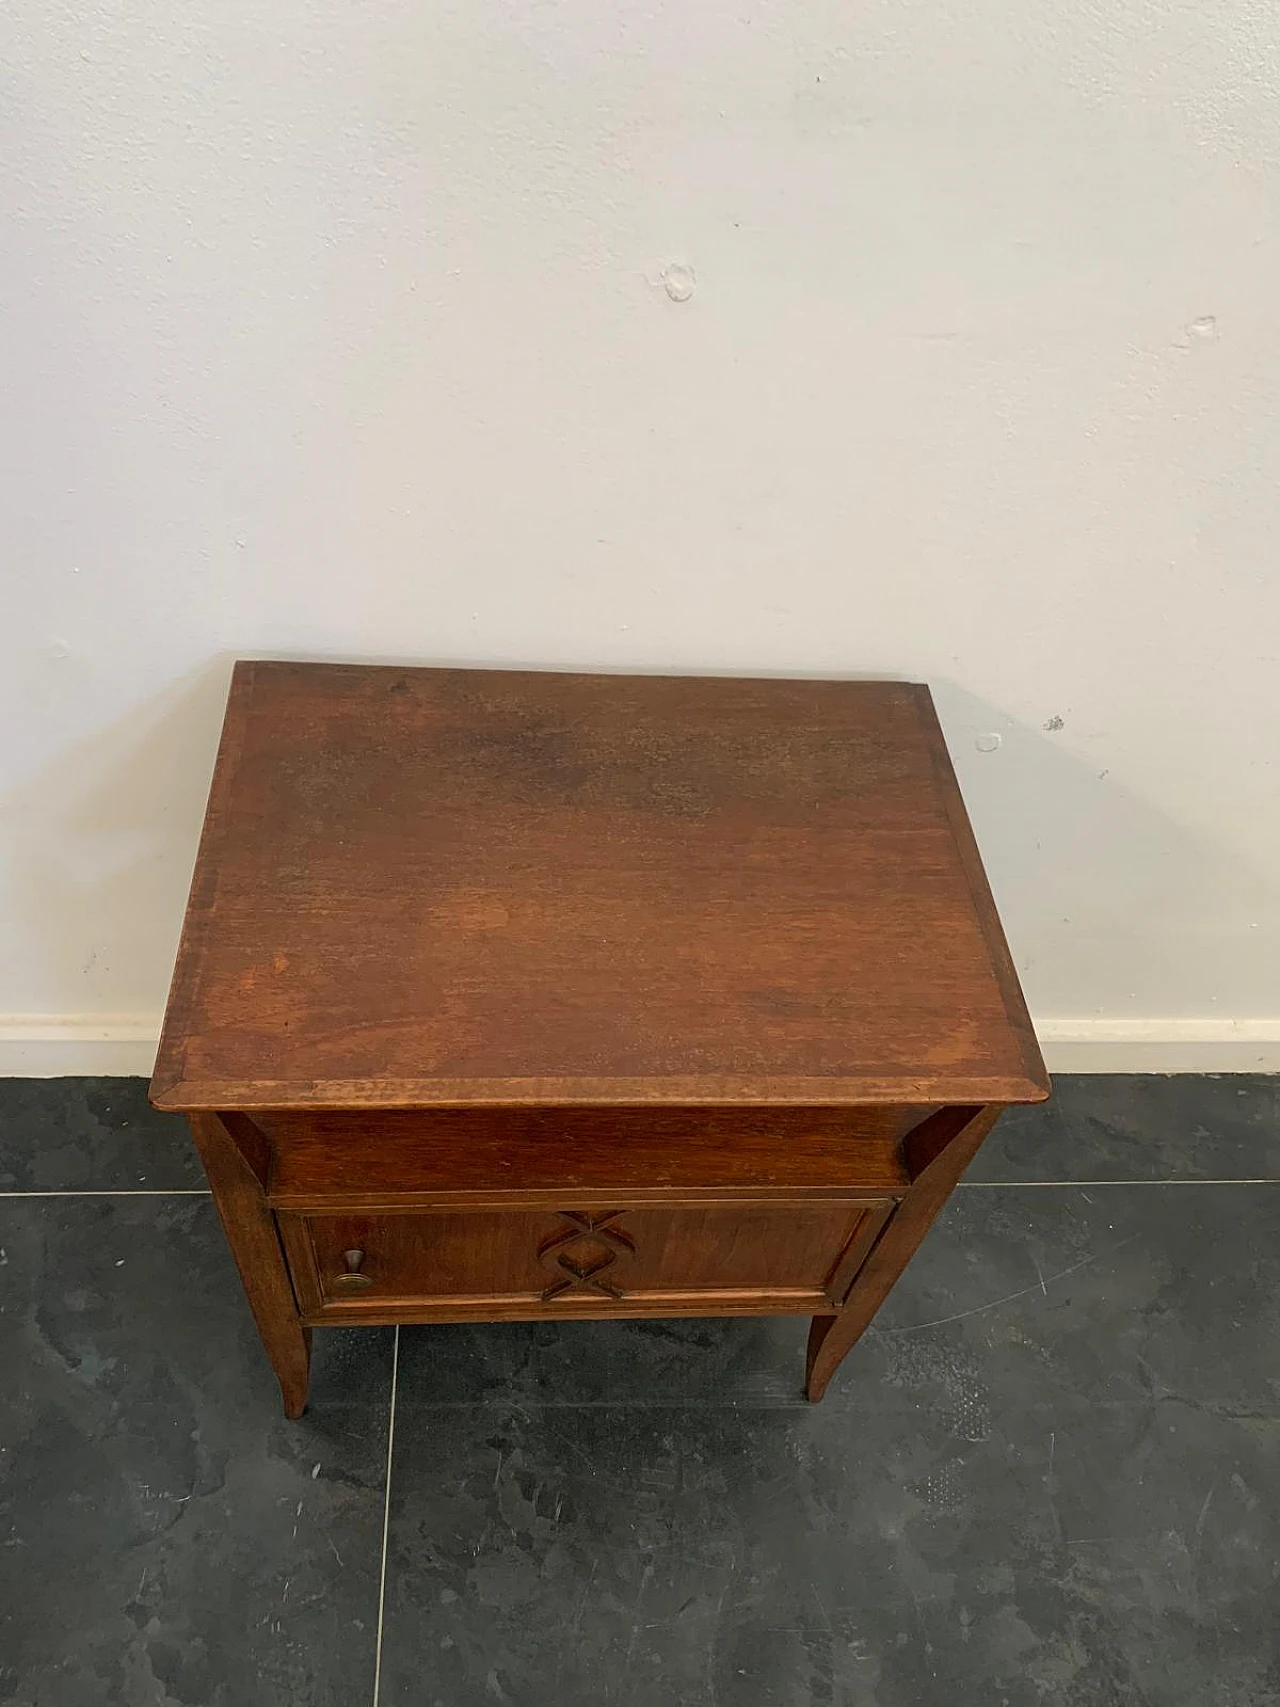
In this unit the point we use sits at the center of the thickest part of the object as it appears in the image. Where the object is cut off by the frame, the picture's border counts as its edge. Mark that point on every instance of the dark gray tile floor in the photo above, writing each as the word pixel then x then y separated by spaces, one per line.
pixel 1049 1474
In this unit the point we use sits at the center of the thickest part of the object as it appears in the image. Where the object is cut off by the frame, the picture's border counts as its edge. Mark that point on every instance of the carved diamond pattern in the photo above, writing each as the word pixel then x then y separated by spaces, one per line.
pixel 581 1252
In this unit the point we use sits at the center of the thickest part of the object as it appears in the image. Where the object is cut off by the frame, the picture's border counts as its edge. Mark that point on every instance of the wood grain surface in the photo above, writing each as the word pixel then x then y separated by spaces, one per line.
pixel 781 1254
pixel 420 1158
pixel 423 887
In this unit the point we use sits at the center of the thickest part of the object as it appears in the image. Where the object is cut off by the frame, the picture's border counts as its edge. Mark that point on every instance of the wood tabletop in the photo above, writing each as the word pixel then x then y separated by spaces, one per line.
pixel 422 887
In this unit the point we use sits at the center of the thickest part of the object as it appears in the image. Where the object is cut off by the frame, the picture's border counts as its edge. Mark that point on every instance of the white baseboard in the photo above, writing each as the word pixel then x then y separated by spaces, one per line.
pixel 52 1046
pixel 46 1046
pixel 1096 1044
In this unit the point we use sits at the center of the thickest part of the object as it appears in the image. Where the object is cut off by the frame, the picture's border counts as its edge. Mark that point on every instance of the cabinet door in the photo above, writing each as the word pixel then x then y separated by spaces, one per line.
pixel 711 1259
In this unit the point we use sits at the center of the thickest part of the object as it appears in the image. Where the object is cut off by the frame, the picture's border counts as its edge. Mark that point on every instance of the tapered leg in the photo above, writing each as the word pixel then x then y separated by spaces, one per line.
pixel 936 1152
pixel 233 1153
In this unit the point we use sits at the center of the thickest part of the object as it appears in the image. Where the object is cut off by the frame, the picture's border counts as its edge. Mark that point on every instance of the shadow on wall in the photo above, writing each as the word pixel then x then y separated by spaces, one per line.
pixel 101 846
pixel 1109 905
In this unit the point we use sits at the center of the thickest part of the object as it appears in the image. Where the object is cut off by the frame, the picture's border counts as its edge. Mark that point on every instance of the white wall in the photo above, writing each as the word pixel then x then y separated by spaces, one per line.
pixel 338 329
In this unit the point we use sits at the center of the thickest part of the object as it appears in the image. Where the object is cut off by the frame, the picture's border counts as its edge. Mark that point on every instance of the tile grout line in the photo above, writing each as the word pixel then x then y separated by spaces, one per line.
pixel 163 1191
pixel 1059 1184
pixel 386 1519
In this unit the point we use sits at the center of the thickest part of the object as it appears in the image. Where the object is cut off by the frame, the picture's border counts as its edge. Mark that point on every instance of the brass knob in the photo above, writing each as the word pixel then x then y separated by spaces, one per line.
pixel 351 1279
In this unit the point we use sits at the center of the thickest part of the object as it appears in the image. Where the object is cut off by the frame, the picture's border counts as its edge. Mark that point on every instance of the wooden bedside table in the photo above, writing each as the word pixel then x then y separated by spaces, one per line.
pixel 506 994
